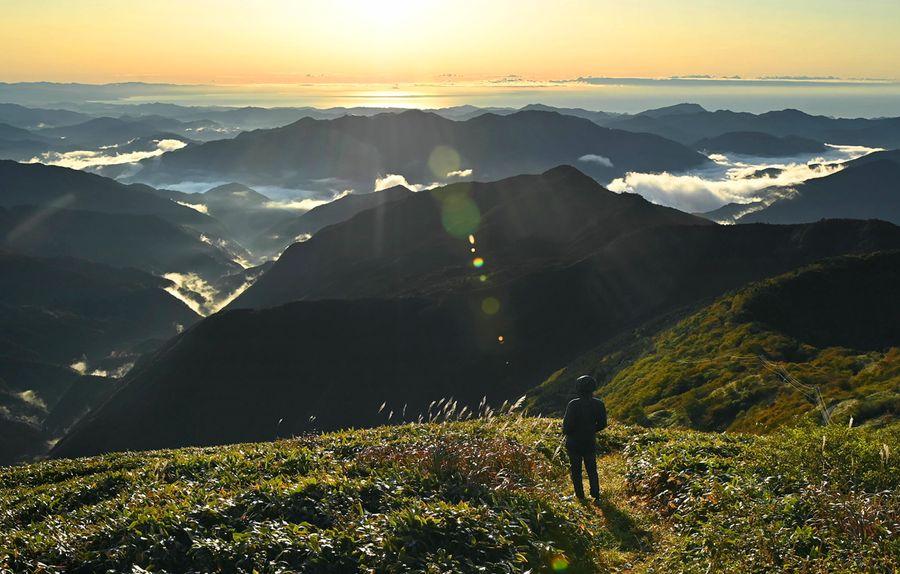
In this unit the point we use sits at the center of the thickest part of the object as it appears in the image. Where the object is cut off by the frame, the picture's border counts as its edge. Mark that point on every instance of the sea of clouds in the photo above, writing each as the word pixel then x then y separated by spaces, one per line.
pixel 731 179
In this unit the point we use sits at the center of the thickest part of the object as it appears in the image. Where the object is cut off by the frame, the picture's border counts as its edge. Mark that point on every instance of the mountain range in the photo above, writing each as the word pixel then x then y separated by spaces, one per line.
pixel 689 124
pixel 490 270
pixel 353 152
pixel 427 325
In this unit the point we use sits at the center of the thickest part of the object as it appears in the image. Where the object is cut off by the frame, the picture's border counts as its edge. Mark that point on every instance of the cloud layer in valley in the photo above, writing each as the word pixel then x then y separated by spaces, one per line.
pixel 105 156
pixel 202 297
pixel 734 179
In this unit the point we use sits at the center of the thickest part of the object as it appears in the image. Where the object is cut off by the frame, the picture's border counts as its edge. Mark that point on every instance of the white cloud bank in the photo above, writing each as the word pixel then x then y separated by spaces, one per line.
pixel 460 173
pixel 195 206
pixel 732 180
pixel 305 204
pixel 86 159
pixel 594 158
pixel 393 179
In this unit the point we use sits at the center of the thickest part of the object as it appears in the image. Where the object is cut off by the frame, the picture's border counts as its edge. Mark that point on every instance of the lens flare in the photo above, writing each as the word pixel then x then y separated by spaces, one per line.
pixel 442 161
pixel 490 306
pixel 472 239
pixel 559 564
pixel 460 216
pixel 483 278
pixel 500 339
pixel 478 262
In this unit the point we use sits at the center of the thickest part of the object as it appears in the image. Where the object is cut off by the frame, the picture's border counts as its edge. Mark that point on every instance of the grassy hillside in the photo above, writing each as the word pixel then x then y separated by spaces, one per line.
pixel 751 360
pixel 478 496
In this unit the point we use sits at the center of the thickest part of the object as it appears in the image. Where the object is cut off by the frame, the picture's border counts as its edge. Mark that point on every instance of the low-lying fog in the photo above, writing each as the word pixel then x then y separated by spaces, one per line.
pixel 735 178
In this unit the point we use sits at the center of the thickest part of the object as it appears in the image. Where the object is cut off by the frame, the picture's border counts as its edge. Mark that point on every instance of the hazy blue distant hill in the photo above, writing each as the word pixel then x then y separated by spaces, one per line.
pixel 355 151
pixel 59 187
pixel 598 117
pixel 276 238
pixel 35 118
pixel 12 133
pixel 675 110
pixel 870 190
pixel 99 132
pixel 695 125
pixel 20 144
pixel 759 144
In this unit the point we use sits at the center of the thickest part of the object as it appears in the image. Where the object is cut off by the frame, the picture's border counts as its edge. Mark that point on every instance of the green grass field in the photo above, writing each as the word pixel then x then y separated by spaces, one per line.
pixel 476 496
pixel 831 326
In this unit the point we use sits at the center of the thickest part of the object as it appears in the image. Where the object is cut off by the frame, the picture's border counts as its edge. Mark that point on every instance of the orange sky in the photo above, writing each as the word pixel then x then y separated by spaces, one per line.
pixel 229 41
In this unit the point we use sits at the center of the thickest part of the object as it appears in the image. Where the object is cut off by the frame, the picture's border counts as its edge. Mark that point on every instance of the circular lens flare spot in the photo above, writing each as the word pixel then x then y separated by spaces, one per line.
pixel 483 278
pixel 472 239
pixel 500 339
pixel 478 262
pixel 443 161
pixel 459 215
pixel 559 564
pixel 490 306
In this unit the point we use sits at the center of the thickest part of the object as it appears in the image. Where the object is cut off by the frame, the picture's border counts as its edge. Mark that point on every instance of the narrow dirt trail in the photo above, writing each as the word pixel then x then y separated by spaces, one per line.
pixel 640 532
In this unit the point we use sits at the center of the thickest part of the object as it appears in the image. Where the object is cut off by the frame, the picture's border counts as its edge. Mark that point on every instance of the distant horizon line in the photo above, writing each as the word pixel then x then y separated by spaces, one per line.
pixel 498 81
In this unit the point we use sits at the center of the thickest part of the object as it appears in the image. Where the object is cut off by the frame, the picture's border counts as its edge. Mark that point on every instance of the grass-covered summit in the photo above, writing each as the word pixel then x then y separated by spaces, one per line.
pixel 489 495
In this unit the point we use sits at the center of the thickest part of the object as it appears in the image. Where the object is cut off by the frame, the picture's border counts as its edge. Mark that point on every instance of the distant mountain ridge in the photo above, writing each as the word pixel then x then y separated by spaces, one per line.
pixel 760 144
pixel 358 150
pixel 698 124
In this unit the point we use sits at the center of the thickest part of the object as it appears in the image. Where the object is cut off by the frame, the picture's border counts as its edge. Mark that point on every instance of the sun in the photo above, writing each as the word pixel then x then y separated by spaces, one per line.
pixel 392 11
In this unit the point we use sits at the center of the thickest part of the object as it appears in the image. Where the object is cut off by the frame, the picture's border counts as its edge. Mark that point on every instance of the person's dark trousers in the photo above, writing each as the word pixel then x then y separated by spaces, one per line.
pixel 583 454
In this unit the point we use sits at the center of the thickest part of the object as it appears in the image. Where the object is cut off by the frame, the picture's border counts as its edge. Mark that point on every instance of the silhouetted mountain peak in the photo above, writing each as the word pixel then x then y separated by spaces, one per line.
pixel 570 176
pixel 676 110
pixel 789 113
pixel 234 191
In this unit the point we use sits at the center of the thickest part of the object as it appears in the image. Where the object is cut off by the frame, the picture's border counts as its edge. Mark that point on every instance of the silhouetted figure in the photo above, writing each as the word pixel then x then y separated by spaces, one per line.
pixel 585 417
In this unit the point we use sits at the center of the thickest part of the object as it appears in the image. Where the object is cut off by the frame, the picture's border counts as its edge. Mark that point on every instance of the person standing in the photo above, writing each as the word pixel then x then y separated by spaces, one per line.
pixel 585 417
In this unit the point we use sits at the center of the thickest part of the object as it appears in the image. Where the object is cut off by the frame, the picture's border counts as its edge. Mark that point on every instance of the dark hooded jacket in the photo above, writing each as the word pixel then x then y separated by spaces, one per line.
pixel 585 417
